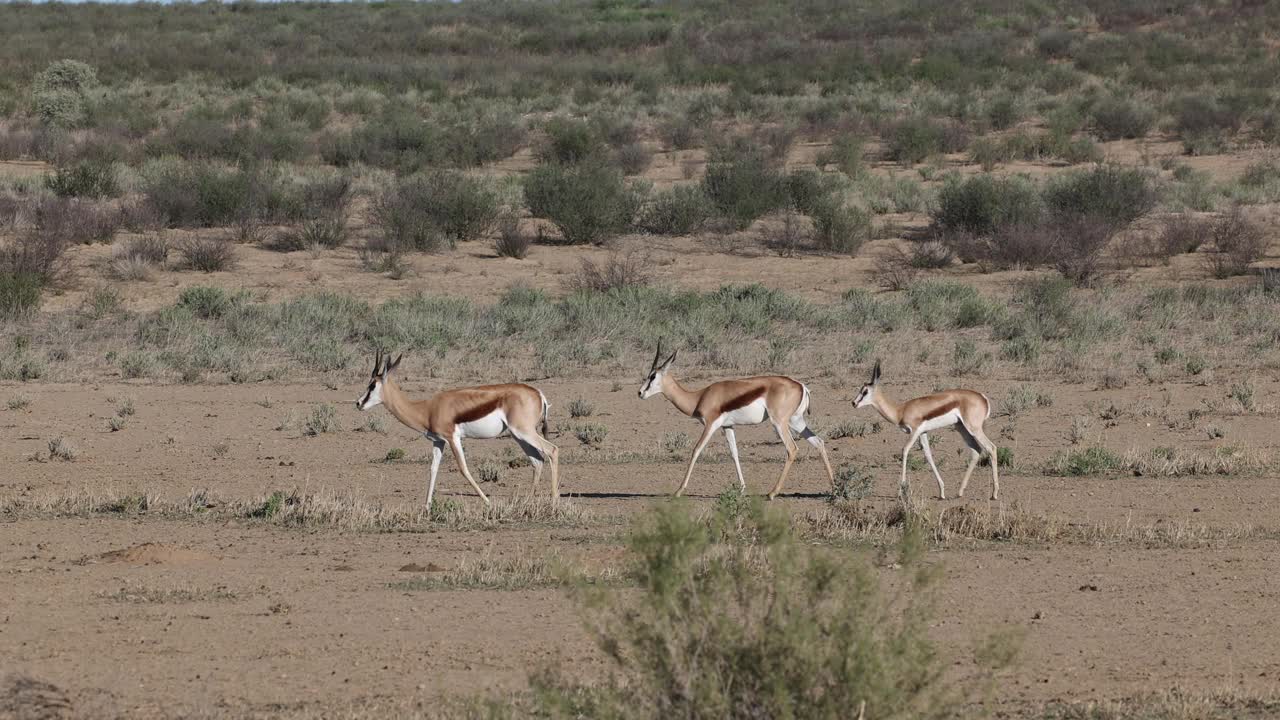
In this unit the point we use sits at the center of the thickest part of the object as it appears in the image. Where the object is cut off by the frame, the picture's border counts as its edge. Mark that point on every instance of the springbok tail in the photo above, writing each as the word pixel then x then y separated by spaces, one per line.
pixel 546 411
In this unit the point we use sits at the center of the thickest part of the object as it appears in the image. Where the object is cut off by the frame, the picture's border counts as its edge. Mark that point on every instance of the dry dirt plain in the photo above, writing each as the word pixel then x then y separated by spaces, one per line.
pixel 147 614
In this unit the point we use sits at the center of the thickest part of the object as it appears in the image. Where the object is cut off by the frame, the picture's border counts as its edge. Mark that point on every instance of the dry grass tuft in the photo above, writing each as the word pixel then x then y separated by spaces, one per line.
pixel 318 509
pixel 1174 704
pixel 859 523
pixel 516 572
pixel 1168 462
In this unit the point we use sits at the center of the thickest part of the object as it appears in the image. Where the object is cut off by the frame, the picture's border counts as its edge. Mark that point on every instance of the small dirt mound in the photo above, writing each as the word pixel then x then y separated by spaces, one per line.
pixel 152 554
pixel 415 567
pixel 25 698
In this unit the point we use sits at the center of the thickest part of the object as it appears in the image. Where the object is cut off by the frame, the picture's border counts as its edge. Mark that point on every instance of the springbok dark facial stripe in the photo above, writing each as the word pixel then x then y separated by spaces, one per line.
pixel 478 411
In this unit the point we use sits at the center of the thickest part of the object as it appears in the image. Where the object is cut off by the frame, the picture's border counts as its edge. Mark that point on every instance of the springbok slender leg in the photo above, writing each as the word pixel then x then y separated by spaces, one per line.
pixel 707 432
pixel 928 455
pixel 536 445
pixel 784 432
pixel 991 451
pixel 458 455
pixel 732 439
pixel 902 486
pixel 437 452
pixel 815 440
pixel 974 455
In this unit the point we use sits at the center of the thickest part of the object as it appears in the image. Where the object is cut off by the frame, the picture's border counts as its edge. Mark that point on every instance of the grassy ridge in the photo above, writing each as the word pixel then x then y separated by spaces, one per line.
pixel 1109 336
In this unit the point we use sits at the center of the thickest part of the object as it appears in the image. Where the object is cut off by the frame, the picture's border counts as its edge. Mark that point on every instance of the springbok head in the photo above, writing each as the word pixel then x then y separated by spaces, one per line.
pixel 867 394
pixel 653 383
pixel 382 369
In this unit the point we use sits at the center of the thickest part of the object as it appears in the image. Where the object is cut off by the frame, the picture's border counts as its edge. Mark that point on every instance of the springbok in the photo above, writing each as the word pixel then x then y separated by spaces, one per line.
pixel 745 401
pixel 474 412
pixel 965 409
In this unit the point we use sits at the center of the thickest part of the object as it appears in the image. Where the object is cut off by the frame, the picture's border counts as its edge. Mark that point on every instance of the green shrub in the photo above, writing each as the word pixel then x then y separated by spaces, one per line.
pixel 983 203
pixel 205 195
pixel 591 434
pixel 207 254
pixel 86 178
pixel 680 133
pixel 38 251
pixel 271 506
pixel 422 212
pixel 808 189
pixel 463 207
pixel 1205 115
pixel 839 227
pixel 19 294
pixel 634 158
pixel 743 185
pixel 570 141
pixel 1239 242
pixel 322 205
pixel 401 140
pixel 511 242
pixel 680 210
pixel 1115 118
pixel 206 302
pixel 853 482
pixel 845 153
pixel 773 628
pixel 324 419
pixel 1115 193
pixel 59 93
pixel 1003 111
pixel 1093 461
pixel 588 203
pixel 403 223
pixel 915 139
pixel 1055 42
pixel 966 359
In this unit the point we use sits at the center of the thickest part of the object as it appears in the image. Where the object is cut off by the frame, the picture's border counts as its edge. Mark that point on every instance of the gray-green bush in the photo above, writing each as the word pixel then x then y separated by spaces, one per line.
pixel 680 210
pixel 734 617
pixel 743 185
pixel 589 203
pixel 981 204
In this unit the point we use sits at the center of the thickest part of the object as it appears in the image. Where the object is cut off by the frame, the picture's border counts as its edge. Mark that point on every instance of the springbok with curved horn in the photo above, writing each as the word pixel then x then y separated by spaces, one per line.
pixel 728 403
pixel 474 412
pixel 967 410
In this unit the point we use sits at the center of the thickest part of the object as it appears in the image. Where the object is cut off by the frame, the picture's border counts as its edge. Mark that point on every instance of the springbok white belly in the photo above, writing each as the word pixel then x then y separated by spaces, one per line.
pixel 489 426
pixel 942 421
pixel 752 414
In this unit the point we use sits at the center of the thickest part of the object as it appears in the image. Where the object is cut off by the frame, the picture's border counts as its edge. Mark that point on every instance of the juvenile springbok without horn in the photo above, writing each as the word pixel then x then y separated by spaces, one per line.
pixel 745 401
pixel 965 409
pixel 474 412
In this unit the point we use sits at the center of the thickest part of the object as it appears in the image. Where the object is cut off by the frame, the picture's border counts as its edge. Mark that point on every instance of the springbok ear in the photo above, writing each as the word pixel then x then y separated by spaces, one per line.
pixel 393 364
pixel 670 360
pixel 875 374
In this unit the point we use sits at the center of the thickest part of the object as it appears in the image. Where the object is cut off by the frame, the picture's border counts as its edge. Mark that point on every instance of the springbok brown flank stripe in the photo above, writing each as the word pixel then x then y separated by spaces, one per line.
pixel 743 400
pixel 478 411
pixel 941 410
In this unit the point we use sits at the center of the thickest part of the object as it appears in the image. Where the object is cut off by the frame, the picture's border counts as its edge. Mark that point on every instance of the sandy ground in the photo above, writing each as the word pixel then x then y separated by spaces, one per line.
pixel 306 618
